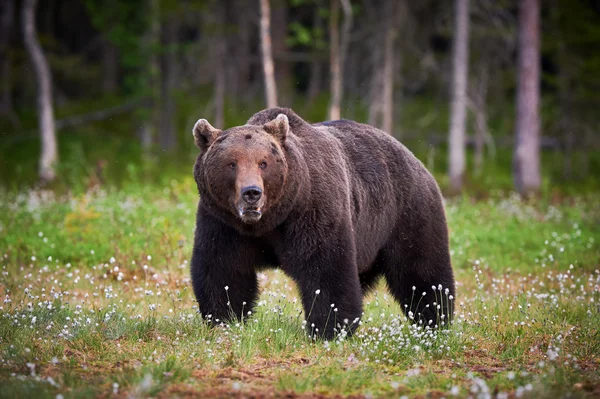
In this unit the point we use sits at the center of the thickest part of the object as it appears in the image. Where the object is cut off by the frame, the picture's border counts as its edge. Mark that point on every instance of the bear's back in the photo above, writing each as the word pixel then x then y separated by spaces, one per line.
pixel 372 153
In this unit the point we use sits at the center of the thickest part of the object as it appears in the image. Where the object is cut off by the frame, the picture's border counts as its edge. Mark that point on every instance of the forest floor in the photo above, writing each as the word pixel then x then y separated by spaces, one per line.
pixel 96 301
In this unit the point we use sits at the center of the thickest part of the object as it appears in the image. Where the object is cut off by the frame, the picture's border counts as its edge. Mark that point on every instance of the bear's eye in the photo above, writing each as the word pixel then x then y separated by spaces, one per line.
pixel 232 165
pixel 262 165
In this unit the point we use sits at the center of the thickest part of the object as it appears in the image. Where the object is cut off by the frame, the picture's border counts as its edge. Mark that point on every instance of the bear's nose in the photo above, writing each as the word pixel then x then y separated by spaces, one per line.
pixel 251 194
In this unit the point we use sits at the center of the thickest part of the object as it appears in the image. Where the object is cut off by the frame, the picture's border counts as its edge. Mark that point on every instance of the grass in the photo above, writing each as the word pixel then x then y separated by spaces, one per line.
pixel 96 301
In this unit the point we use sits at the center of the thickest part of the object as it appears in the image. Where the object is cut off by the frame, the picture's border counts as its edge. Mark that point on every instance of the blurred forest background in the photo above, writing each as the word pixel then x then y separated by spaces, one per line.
pixel 490 95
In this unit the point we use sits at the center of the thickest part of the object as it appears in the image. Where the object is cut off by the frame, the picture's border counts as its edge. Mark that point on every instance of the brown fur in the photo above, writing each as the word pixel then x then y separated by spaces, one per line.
pixel 342 203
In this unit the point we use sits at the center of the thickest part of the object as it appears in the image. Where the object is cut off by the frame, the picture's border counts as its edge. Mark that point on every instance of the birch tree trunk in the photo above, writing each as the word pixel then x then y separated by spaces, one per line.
pixel 526 161
pixel 220 53
pixel 49 155
pixel 458 115
pixel 267 54
pixel 283 68
pixel 338 50
pixel 334 60
pixel 388 70
pixel 381 106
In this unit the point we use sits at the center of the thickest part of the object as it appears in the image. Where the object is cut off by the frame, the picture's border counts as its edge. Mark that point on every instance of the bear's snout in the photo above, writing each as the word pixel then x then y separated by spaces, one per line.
pixel 249 207
pixel 251 194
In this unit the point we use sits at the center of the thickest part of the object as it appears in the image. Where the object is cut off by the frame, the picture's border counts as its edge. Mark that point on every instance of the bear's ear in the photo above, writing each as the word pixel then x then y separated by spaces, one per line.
pixel 278 127
pixel 204 134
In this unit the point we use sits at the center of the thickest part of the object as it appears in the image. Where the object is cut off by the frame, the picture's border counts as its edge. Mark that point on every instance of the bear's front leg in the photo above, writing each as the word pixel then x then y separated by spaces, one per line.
pixel 222 271
pixel 330 289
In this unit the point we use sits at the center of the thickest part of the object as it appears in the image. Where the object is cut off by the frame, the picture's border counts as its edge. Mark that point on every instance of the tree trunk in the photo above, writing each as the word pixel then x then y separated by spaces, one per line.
pixel 459 96
pixel 6 23
pixel 245 45
pixel 316 66
pixel 478 105
pixel 283 67
pixel 381 106
pixel 219 57
pixel 168 82
pixel 49 155
pixel 267 55
pixel 110 66
pixel 338 50
pixel 375 105
pixel 526 161
pixel 151 42
pixel 388 70
pixel 334 60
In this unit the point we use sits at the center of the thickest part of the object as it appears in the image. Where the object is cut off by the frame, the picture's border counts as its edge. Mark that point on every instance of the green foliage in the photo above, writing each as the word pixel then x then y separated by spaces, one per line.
pixel 125 24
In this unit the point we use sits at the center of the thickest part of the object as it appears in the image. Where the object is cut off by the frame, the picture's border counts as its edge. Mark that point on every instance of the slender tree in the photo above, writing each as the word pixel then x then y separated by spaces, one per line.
pixel 220 49
pixel 316 66
pixel 110 66
pixel 388 67
pixel 390 16
pixel 477 103
pixel 267 54
pixel 460 64
pixel 334 60
pixel 6 24
pixel 283 68
pixel 338 50
pixel 168 82
pixel 526 161
pixel 49 155
pixel 151 40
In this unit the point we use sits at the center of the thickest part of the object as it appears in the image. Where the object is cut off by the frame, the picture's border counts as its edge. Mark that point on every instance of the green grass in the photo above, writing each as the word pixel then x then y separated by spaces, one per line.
pixel 96 299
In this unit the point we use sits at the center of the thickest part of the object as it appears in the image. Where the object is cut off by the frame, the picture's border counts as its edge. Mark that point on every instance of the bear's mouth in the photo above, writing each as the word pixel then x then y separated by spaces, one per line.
pixel 250 215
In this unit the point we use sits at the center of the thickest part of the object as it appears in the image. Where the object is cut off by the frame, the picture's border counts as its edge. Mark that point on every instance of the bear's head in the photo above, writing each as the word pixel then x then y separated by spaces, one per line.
pixel 242 169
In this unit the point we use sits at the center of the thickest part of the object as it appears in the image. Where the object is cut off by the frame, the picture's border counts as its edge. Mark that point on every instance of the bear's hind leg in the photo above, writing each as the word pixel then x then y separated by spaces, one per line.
pixel 423 284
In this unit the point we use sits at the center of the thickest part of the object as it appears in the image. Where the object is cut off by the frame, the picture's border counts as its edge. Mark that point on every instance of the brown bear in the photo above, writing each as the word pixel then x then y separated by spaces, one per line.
pixel 335 205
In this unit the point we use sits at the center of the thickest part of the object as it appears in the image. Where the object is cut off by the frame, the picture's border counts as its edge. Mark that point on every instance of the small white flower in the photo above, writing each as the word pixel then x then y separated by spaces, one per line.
pixel 317 292
pixel 226 288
